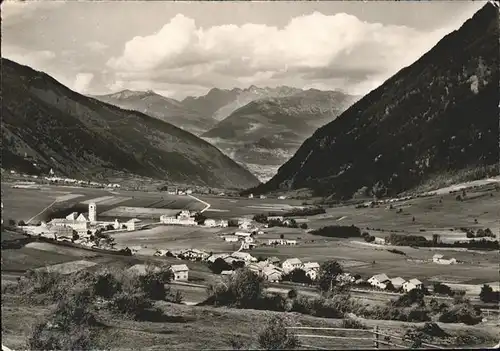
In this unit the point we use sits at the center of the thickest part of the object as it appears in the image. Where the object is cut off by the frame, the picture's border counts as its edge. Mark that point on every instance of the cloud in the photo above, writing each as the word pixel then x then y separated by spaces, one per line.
pixel 96 46
pixel 82 82
pixel 338 47
pixel 26 57
pixel 14 11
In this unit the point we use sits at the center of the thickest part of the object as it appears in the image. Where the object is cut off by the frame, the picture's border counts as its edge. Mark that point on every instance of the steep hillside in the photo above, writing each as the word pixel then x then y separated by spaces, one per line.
pixel 161 107
pixel 268 131
pixel 54 127
pixel 438 115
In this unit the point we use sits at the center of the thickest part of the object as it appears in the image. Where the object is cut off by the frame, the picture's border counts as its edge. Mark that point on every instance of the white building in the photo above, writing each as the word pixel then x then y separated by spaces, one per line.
pixel 243 234
pixel 441 259
pixel 276 218
pixel 398 282
pixel 72 216
pixel 210 223
pixel 276 242
pixel 379 281
pixel 180 271
pixel 262 196
pixel 291 264
pixel 245 225
pixel 272 274
pixel 223 223
pixel 291 242
pixel 282 197
pixel 131 224
pixel 250 196
pixel 227 273
pixel 231 239
pixel 182 218
pixel 412 284
pixel 379 241
pixel 311 269
pixel 244 256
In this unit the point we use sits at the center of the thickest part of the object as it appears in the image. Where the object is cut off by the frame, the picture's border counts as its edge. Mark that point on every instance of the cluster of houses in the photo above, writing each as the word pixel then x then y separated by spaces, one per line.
pixel 84 224
pixel 382 281
pixel 180 192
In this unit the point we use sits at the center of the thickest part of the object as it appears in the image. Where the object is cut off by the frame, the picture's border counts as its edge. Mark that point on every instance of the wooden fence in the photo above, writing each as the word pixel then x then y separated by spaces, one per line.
pixel 359 338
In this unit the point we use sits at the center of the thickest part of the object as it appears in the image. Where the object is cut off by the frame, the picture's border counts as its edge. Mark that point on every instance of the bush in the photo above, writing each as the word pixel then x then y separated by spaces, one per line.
pixel 220 265
pixel 275 336
pixel 260 218
pixel 407 240
pixel 106 285
pixel 443 289
pixel 461 313
pixel 132 305
pixel 412 297
pixel 292 294
pixel 303 226
pixel 470 235
pixel 352 324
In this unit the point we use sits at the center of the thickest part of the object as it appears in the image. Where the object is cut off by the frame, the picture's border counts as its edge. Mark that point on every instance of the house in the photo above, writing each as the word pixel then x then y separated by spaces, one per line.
pixel 276 242
pixel 180 271
pixel 193 254
pixel 82 218
pixel 189 192
pixel 243 234
pixel 276 218
pixel 250 196
pixel 441 259
pixel 346 278
pixel 291 264
pixel 272 274
pixel 247 246
pixel 291 242
pixel 412 284
pixel 248 240
pixel 379 241
pixel 262 196
pixel 282 197
pixel 310 266
pixel 244 256
pixel 398 282
pixel 245 225
pixel 161 252
pixel 230 260
pixel 231 239
pixel 273 260
pixel 210 223
pixel 131 224
pixel 379 281
pixel 227 273
pixel 223 223
pixel 212 258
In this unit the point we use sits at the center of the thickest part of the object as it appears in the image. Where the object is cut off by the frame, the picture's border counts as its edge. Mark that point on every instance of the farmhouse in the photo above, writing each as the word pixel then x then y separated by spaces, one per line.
pixel 244 256
pixel 210 223
pixel 273 260
pixel 441 259
pixel 275 218
pixel 282 197
pixel 182 218
pixel 379 241
pixel 311 266
pixel 380 281
pixel 345 278
pixel 276 242
pixel 291 242
pixel 262 196
pixel 243 234
pixel 231 239
pixel 230 260
pixel 412 284
pixel 194 254
pixel 272 274
pixel 291 264
pixel 247 246
pixel 398 282
pixel 212 258
pixel 245 225
pixel 180 272
pixel 131 224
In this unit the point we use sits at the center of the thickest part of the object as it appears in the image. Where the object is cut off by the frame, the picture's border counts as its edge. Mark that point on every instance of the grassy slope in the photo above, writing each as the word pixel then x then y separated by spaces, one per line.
pixel 80 136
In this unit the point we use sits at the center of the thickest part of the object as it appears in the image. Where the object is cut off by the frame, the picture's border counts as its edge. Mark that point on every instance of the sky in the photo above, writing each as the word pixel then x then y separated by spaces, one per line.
pixel 181 49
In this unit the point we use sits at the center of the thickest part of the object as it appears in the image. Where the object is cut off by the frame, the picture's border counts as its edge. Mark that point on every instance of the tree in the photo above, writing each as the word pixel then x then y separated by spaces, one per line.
pixel 11 222
pixel 260 218
pixel 303 226
pixel 328 272
pixel 21 223
pixel 220 265
pixel 292 293
pixel 488 295
pixel 75 235
pixel 199 218
pixel 298 276
pixel 275 336
pixel 246 287
pixel 282 236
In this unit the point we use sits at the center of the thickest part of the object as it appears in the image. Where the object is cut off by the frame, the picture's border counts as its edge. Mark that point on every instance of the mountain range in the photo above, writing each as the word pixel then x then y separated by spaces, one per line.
pixel 161 107
pixel 265 133
pixel 46 125
pixel 438 115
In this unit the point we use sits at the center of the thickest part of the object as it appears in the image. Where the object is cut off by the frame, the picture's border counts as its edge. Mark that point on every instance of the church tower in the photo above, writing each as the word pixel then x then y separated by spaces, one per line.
pixel 92 212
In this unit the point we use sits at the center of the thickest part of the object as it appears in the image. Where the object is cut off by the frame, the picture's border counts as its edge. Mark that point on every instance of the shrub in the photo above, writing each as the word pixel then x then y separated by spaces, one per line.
pixel 106 285
pixel 260 218
pixel 461 313
pixel 414 296
pixel 292 294
pixel 303 226
pixel 470 235
pixel 418 315
pixel 220 265
pixel 132 305
pixel 407 240
pixel 242 289
pixel 398 252
pixel 275 336
pixel 352 324
pixel 443 289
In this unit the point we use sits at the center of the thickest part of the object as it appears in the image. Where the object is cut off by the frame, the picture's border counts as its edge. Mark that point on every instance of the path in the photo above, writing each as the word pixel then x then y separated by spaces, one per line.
pixel 42 211
pixel 203 202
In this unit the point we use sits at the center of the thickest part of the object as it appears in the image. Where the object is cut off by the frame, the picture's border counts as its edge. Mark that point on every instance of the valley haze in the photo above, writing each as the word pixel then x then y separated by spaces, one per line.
pixel 250 175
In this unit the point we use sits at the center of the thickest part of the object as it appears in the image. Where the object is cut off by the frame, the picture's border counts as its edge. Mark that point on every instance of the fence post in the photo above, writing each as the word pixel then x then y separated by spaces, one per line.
pixel 375 337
